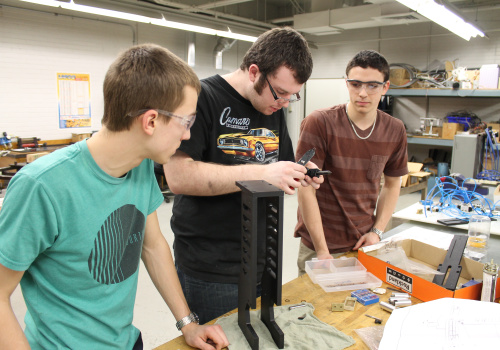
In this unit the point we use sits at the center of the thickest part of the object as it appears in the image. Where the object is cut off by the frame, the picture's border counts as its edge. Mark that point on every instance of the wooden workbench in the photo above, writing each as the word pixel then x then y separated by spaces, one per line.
pixel 419 186
pixel 303 289
pixel 19 156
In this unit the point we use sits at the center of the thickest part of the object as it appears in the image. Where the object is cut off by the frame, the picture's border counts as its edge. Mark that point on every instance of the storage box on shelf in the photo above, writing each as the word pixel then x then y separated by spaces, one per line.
pixel 399 76
pixel 436 131
pixel 75 137
pixel 451 129
pixel 488 76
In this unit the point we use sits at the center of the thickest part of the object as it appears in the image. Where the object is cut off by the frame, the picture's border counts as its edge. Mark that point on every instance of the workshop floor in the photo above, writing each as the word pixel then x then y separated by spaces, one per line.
pixel 153 317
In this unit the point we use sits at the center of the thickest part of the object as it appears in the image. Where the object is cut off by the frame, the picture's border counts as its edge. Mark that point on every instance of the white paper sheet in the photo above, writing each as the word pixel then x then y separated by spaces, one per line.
pixel 435 238
pixel 444 324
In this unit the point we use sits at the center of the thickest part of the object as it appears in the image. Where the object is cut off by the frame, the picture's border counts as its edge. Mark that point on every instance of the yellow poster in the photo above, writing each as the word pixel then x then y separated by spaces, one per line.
pixel 73 91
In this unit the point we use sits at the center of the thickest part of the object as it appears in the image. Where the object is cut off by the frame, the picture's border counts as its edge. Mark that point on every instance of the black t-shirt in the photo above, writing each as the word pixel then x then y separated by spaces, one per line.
pixel 227 130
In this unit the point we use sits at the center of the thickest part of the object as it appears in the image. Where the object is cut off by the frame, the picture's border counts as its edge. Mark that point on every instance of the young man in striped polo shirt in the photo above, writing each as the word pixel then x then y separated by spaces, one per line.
pixel 357 143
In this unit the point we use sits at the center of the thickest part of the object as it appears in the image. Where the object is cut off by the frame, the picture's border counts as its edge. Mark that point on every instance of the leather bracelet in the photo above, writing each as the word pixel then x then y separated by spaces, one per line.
pixel 379 233
pixel 192 317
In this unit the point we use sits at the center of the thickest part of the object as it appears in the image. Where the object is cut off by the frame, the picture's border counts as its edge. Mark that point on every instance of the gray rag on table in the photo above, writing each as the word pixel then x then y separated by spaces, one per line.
pixel 309 333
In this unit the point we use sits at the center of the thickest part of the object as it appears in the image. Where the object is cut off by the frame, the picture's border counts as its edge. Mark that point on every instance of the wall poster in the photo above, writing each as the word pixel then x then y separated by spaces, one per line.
pixel 73 91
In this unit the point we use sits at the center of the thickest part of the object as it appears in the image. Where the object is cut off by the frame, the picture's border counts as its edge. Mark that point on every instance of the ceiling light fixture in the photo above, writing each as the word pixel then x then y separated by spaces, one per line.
pixel 441 15
pixel 142 19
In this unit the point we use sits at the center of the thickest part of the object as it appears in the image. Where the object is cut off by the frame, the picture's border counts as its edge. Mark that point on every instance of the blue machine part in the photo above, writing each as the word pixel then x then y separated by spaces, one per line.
pixel 365 297
pixel 5 141
pixel 470 283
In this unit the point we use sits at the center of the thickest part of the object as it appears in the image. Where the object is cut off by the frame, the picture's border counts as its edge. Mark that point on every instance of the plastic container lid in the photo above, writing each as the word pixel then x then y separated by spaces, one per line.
pixel 356 281
pixel 341 274
pixel 325 269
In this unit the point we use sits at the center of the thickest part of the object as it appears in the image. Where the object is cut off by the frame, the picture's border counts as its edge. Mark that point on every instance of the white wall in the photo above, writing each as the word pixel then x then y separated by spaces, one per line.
pixel 34 46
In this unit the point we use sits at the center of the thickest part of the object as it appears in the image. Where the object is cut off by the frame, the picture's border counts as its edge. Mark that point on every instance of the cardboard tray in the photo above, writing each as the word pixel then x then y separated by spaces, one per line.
pixel 417 286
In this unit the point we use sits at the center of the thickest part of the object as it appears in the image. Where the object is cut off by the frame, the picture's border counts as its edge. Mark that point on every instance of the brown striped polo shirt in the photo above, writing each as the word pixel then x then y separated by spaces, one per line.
pixel 348 196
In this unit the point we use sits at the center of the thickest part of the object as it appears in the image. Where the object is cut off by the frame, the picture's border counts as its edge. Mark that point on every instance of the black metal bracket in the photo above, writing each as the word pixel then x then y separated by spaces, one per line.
pixel 452 263
pixel 261 245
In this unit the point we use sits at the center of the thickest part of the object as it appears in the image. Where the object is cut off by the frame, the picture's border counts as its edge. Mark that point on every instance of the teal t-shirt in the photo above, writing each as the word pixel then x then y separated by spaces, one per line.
pixel 77 232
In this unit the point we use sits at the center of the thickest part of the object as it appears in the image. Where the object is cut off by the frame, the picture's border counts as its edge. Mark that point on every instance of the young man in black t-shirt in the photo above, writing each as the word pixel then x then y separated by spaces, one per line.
pixel 240 134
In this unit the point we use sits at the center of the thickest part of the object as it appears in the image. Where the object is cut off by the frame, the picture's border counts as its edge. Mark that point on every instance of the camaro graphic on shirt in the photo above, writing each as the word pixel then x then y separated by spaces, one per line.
pixel 117 247
pixel 233 122
pixel 259 145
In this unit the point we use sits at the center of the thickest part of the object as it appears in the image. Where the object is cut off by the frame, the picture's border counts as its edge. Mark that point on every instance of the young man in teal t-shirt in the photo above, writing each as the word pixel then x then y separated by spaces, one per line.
pixel 75 223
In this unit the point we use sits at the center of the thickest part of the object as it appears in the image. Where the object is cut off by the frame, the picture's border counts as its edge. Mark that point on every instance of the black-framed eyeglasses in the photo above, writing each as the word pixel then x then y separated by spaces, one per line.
pixel 293 98
pixel 371 87
pixel 186 121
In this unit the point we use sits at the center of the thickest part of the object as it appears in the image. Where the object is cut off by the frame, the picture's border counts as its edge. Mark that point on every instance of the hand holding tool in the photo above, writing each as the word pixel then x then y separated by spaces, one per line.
pixel 304 160
pixel 316 172
pixel 311 172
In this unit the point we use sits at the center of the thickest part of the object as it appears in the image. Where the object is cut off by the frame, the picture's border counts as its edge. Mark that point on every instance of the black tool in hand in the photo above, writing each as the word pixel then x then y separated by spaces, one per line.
pixel 307 157
pixel 311 172
pixel 304 160
pixel 317 173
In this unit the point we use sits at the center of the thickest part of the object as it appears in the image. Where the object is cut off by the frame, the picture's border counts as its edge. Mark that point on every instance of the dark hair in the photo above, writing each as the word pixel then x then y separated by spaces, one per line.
pixel 276 48
pixel 144 76
pixel 371 59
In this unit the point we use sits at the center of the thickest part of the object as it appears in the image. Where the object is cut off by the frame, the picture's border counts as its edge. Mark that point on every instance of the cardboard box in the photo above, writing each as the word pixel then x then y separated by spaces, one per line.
pixel 451 129
pixel 412 168
pixel 419 287
pixel 473 76
pixel 496 194
pixel 414 174
pixel 496 128
pixel 418 176
pixel 488 76
pixel 75 137
pixel 437 131
pixel 34 156
pixel 399 76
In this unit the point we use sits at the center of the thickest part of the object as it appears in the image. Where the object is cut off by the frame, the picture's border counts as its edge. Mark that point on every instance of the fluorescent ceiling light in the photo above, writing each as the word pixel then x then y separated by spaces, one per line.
pixel 215 4
pixel 444 17
pixel 142 19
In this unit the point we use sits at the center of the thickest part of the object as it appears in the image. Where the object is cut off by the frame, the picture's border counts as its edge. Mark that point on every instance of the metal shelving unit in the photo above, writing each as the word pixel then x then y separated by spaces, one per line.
pixel 442 93
pixel 429 141
pixel 430 93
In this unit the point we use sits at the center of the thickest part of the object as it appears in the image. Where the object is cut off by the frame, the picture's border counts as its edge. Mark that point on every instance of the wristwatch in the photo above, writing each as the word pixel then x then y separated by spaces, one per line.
pixel 378 232
pixel 192 317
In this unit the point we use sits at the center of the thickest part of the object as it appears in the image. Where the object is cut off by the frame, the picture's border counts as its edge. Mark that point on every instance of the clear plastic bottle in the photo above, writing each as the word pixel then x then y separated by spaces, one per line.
pixel 479 235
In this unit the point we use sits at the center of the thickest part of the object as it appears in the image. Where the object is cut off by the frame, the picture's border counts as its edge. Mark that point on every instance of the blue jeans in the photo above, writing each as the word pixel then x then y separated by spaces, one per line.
pixel 138 344
pixel 209 300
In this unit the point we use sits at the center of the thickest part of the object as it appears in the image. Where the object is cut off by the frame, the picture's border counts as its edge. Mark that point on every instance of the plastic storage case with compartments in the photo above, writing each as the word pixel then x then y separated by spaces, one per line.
pixel 341 274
